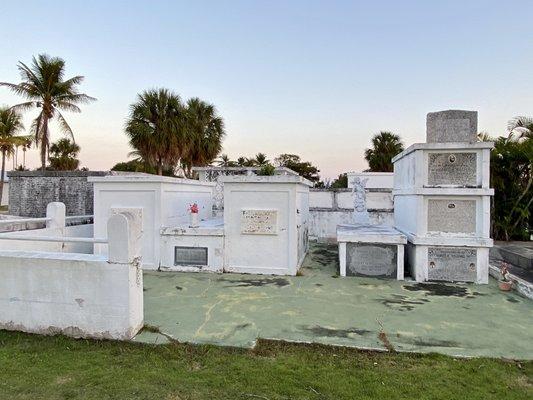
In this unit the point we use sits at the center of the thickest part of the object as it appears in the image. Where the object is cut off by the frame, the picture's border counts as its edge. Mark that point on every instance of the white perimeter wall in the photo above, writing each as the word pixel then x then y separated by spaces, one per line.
pixel 328 208
pixel 85 230
pixel 50 293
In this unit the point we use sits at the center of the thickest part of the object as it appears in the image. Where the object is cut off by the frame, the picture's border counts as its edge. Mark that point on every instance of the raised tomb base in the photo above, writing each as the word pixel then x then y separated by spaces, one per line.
pixel 371 251
pixel 448 263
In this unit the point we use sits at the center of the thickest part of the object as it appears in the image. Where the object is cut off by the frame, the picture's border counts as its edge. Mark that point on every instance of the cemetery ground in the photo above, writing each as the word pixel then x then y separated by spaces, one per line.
pixel 313 336
pixel 320 307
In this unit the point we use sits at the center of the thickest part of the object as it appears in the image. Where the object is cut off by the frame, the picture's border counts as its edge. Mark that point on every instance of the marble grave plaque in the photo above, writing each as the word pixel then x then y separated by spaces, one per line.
pixel 371 259
pixel 452 216
pixel 452 169
pixel 456 264
pixel 259 222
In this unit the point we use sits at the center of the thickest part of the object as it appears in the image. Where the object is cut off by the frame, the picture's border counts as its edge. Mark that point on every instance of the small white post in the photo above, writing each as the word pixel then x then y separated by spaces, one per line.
pixel 400 274
pixel 124 232
pixel 56 212
pixel 342 258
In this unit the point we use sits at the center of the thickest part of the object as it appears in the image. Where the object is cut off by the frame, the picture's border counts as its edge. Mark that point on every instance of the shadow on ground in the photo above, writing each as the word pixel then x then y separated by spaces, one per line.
pixel 319 306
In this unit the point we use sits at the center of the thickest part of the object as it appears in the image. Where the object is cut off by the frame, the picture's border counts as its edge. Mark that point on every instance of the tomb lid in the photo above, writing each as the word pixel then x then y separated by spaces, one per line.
pixel 362 233
pixel 266 179
pixel 444 147
pixel 139 177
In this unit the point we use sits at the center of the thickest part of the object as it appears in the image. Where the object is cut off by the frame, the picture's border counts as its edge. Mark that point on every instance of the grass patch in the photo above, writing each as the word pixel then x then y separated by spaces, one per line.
pixel 40 367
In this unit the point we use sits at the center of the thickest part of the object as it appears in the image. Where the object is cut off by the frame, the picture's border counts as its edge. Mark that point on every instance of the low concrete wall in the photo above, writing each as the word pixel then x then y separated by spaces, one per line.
pixel 80 295
pixel 329 208
pixel 74 294
pixel 31 191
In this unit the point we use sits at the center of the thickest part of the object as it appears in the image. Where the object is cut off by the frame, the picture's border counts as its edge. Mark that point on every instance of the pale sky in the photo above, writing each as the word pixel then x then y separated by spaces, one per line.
pixel 315 78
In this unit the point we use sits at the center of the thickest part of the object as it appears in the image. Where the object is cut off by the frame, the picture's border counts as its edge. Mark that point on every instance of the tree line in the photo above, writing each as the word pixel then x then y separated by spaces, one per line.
pixel 170 136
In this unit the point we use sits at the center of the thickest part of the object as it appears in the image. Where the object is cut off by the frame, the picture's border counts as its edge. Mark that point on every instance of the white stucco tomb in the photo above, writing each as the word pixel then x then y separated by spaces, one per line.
pixel 164 202
pixel 442 200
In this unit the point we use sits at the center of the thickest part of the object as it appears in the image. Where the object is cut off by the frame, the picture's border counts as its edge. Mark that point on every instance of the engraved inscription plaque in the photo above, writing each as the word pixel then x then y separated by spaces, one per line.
pixel 452 216
pixel 259 222
pixel 452 169
pixel 190 255
pixel 369 259
pixel 452 264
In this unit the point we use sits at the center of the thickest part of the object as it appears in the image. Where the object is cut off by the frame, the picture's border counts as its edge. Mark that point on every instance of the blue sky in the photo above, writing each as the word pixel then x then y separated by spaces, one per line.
pixel 316 78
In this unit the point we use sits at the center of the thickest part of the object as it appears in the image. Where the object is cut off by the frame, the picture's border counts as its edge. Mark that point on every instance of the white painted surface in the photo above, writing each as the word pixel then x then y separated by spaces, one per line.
pixel 78 295
pixel 330 208
pixel 376 180
pixel 164 200
pixel 323 223
pixel 411 165
pixel 321 198
pixel 279 254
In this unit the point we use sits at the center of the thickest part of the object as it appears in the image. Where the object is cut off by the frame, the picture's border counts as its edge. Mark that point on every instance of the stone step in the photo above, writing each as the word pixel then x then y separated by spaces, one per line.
pixel 519 254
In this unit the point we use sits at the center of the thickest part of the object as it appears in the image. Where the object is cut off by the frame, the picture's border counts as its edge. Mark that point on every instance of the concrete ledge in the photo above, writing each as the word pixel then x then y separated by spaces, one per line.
pixel 370 234
pixel 58 174
pixel 266 179
pixel 444 191
pixel 453 146
pixel 455 241
pixel 142 177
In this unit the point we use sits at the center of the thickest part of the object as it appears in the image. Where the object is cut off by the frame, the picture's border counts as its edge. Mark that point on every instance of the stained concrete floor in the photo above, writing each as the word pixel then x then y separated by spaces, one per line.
pixel 235 310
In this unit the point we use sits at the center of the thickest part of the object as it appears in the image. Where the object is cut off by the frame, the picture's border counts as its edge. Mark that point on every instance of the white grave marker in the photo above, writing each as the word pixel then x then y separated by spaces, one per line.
pixel 259 222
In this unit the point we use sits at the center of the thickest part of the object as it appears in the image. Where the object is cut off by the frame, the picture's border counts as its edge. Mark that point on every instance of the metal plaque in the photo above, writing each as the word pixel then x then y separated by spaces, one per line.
pixel 190 255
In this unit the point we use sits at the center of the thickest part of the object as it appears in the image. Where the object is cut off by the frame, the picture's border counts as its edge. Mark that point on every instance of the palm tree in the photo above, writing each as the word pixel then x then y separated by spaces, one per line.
pixel 10 124
pixel 261 159
pixel 43 84
pixel 520 127
pixel 205 132
pixel 225 161
pixel 385 145
pixel 64 155
pixel 156 128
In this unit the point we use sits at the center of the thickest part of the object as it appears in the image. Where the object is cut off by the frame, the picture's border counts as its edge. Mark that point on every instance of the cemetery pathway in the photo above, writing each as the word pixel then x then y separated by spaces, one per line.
pixel 236 309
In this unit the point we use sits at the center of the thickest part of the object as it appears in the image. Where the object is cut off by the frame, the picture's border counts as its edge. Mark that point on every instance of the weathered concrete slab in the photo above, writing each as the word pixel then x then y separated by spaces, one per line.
pixel 451 126
pixel 234 310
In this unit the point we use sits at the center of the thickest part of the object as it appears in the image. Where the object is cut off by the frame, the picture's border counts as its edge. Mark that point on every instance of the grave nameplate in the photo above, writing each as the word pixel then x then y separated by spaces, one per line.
pixel 259 222
pixel 452 264
pixel 452 216
pixel 452 169
pixel 369 259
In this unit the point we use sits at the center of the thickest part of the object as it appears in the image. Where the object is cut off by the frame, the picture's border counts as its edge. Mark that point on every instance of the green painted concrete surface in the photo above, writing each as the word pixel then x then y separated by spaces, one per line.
pixel 236 309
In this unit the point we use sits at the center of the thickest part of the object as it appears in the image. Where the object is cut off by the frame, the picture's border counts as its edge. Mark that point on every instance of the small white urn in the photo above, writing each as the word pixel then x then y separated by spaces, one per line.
pixel 195 222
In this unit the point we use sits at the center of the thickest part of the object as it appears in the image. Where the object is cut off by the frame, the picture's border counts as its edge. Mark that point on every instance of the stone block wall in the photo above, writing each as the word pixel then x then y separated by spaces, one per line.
pixel 31 191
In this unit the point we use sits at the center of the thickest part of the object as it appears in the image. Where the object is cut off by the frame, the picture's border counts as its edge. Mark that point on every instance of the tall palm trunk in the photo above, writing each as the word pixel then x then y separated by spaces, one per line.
pixel 44 143
pixel 2 176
